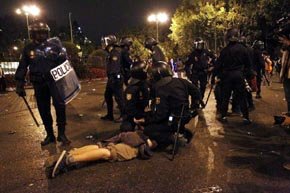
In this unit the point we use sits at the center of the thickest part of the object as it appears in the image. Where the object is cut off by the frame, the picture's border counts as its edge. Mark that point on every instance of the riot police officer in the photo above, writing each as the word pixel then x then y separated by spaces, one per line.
pixel 136 95
pixel 171 96
pixel 156 52
pixel 126 61
pixel 259 65
pixel 196 66
pixel 42 55
pixel 234 59
pixel 115 81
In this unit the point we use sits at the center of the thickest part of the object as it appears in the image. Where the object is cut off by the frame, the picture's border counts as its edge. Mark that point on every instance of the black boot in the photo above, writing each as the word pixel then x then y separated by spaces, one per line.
pixel 62 137
pixel 108 118
pixel 188 135
pixel 50 138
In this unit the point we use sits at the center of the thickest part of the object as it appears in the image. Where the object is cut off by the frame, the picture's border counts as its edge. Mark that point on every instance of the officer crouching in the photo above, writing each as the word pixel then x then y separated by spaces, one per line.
pixel 136 96
pixel 171 95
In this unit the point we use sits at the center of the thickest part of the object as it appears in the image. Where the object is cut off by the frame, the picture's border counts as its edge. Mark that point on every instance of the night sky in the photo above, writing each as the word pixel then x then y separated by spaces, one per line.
pixel 96 17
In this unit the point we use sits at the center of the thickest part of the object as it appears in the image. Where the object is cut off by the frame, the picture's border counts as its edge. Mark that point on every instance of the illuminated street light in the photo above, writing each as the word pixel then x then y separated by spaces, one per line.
pixel 28 10
pixel 15 48
pixel 158 18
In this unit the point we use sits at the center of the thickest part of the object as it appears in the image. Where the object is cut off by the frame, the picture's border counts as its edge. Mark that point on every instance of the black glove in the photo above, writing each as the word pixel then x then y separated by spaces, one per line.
pixel 20 89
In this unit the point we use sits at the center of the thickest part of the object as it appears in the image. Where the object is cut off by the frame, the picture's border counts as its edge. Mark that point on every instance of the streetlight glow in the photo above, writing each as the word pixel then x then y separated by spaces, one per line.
pixel 34 10
pixel 18 11
pixel 151 18
pixel 160 17
pixel 15 48
pixel 28 10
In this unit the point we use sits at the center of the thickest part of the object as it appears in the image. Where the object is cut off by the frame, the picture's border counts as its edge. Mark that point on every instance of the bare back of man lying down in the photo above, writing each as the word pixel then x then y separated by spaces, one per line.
pixel 122 147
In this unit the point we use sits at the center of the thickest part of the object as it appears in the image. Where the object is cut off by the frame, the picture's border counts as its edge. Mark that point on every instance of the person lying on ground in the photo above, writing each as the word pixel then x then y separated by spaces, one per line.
pixel 122 147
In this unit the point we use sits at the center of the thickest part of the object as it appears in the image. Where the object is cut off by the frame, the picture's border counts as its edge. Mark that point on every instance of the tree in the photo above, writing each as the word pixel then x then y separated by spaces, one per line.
pixel 209 19
pixel 206 19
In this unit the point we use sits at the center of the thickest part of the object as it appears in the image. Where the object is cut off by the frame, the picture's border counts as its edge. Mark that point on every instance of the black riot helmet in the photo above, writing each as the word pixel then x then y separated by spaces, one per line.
pixel 160 70
pixel 233 35
pixel 138 71
pixel 39 31
pixel 126 41
pixel 150 42
pixel 109 40
pixel 258 44
pixel 198 43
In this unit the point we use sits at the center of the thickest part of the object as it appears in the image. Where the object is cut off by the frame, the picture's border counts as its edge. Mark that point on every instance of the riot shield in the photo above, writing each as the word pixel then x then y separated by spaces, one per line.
pixel 66 81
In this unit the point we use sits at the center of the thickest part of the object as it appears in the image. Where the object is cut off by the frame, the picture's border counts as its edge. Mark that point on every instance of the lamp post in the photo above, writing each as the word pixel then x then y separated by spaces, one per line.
pixel 28 10
pixel 70 27
pixel 158 18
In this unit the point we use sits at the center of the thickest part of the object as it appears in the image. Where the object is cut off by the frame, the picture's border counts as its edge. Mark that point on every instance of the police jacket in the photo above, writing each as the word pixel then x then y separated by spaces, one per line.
pixel 136 98
pixel 198 61
pixel 157 55
pixel 40 59
pixel 170 95
pixel 126 61
pixel 234 57
pixel 114 62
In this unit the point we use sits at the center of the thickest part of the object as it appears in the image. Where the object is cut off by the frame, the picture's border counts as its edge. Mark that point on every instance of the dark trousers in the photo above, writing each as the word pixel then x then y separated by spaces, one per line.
pixel 250 99
pixel 44 91
pixel 218 96
pixel 114 88
pixel 2 84
pixel 233 81
pixel 286 85
pixel 200 80
pixel 161 133
pixel 259 84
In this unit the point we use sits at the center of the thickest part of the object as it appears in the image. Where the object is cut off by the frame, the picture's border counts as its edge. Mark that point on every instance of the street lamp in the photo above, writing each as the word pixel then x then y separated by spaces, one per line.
pixel 28 10
pixel 158 18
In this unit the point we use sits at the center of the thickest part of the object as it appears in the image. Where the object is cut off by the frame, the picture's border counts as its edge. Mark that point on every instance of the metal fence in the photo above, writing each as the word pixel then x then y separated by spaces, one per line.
pixel 9 68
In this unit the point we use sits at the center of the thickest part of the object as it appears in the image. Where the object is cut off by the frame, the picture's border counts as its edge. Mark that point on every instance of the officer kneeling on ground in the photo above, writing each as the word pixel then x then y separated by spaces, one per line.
pixel 42 55
pixel 171 96
pixel 136 96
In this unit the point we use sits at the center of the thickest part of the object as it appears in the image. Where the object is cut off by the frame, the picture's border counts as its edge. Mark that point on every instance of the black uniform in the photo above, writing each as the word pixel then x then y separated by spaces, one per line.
pixel 170 95
pixel 197 68
pixel 157 55
pixel 126 63
pixel 114 85
pixel 231 64
pixel 136 97
pixel 41 58
pixel 259 67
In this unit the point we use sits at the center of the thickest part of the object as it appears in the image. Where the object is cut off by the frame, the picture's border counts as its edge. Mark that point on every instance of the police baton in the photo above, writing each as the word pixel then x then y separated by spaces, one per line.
pixel 177 134
pixel 207 99
pixel 31 113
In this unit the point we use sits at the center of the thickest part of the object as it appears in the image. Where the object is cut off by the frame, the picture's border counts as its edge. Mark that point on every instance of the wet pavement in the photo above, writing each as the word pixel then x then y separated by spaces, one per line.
pixel 231 158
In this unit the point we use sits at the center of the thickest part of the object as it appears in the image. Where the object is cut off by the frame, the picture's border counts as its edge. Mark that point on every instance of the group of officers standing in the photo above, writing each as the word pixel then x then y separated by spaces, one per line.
pixel 152 100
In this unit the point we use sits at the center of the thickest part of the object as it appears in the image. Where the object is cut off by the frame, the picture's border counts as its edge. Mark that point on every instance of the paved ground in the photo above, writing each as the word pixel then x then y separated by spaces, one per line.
pixel 228 158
